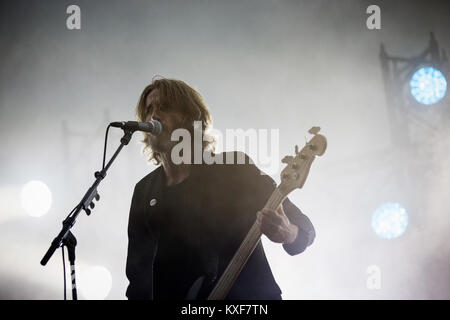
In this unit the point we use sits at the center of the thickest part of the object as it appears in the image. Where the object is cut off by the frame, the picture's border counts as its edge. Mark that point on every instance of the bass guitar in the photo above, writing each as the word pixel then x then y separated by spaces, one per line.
pixel 293 176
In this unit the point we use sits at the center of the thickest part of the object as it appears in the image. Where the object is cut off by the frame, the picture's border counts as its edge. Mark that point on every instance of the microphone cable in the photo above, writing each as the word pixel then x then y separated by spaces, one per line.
pixel 104 148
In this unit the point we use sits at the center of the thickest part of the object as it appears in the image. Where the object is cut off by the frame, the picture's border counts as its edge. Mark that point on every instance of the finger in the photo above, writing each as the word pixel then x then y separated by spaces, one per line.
pixel 280 210
pixel 272 233
pixel 269 212
pixel 271 226
pixel 271 217
pixel 258 217
pixel 270 230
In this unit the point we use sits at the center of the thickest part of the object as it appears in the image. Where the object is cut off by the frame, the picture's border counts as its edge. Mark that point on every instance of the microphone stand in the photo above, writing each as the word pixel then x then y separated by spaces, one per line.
pixel 65 237
pixel 70 242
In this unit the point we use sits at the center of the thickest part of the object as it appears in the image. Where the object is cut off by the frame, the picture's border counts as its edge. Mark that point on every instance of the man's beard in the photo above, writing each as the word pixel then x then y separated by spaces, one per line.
pixel 161 143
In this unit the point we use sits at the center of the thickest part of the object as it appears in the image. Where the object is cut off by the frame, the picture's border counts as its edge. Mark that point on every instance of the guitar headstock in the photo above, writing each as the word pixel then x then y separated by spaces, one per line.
pixel 297 169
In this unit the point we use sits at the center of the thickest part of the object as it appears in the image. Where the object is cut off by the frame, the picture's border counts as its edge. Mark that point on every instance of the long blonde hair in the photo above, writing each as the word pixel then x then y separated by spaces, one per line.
pixel 183 97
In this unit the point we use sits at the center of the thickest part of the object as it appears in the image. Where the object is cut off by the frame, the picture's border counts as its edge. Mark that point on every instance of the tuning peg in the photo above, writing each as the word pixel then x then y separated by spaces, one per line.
pixel 88 212
pixel 287 159
pixel 97 197
pixel 314 130
pixel 92 205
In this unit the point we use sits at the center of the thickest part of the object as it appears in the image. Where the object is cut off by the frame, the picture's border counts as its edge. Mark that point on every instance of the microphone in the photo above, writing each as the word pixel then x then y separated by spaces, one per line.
pixel 153 127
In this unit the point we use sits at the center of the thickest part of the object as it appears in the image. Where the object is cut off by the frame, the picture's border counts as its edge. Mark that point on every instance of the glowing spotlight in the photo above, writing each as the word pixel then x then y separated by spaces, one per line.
pixel 389 220
pixel 36 198
pixel 95 282
pixel 428 85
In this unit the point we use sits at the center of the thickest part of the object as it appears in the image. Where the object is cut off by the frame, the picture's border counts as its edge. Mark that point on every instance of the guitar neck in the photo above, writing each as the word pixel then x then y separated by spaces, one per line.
pixel 246 248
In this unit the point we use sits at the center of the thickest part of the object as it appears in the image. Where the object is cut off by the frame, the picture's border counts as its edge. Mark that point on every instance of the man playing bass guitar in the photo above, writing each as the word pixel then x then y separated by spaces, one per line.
pixel 187 220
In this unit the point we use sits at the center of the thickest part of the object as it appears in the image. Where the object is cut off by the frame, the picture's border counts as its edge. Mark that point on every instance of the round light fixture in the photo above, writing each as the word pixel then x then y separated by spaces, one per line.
pixel 428 85
pixel 390 220
pixel 36 198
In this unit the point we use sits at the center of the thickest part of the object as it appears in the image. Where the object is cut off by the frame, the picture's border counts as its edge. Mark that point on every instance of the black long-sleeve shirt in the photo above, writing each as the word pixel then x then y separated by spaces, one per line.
pixel 179 233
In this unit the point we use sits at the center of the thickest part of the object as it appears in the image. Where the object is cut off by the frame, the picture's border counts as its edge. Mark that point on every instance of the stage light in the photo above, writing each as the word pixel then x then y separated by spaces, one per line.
pixel 390 220
pixel 36 198
pixel 95 282
pixel 428 85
